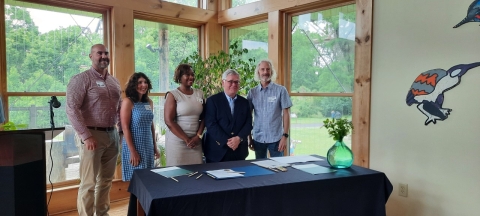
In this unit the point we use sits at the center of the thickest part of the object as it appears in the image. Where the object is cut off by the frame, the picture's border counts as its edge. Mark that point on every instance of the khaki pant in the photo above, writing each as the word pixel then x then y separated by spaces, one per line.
pixel 97 169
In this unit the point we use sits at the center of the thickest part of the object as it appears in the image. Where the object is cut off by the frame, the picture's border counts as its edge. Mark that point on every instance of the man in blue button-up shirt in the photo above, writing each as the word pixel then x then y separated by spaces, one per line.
pixel 270 103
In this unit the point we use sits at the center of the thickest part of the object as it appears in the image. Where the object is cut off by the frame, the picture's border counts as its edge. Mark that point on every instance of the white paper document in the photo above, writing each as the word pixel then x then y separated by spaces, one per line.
pixel 169 172
pixel 224 173
pixel 270 163
pixel 295 159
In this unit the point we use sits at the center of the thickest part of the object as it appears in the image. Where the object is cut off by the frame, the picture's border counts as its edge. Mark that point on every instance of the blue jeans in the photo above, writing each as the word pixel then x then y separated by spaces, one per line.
pixel 261 149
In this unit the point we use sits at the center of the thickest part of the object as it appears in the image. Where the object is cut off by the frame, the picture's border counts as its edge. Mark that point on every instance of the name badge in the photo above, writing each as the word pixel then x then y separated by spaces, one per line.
pixel 147 107
pixel 271 99
pixel 100 84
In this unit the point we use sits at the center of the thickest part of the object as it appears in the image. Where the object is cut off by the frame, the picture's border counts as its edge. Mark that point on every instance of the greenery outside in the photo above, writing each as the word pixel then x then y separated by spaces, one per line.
pixel 41 59
pixel 254 38
pixel 208 72
pixel 323 53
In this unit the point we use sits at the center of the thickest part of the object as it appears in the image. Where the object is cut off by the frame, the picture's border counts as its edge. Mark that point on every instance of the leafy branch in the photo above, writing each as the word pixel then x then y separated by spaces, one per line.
pixel 338 128
pixel 208 72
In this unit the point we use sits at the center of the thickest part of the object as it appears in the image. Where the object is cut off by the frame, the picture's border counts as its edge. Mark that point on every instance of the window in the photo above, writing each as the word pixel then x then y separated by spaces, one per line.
pixel 322 75
pixel 45 47
pixel 254 38
pixel 236 3
pixel 159 48
pixel 192 3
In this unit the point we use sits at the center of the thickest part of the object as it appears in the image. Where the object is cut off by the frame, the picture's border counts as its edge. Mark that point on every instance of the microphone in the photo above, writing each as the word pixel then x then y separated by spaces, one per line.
pixel 54 102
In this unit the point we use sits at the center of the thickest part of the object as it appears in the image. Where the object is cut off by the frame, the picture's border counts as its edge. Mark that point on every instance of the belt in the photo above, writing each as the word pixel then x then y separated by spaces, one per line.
pixel 101 128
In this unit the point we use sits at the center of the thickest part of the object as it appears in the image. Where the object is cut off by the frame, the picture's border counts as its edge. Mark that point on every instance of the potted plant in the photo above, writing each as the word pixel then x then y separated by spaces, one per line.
pixel 339 155
pixel 208 72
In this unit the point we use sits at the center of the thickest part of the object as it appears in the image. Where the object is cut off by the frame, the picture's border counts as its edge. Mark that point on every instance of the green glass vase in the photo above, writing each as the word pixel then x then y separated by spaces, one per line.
pixel 339 155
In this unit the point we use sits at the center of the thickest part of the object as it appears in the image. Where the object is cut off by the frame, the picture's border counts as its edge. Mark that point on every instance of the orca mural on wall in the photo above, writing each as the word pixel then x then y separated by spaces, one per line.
pixel 428 88
pixel 473 14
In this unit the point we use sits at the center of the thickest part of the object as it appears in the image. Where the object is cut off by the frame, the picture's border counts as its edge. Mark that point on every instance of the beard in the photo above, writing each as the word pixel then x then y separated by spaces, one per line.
pixel 103 63
pixel 265 79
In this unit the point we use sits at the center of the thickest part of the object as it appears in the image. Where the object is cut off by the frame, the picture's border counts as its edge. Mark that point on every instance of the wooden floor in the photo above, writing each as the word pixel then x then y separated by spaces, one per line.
pixel 118 208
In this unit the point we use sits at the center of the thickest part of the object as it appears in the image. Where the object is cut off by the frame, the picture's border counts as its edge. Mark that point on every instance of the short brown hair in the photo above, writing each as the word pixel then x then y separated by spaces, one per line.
pixel 180 71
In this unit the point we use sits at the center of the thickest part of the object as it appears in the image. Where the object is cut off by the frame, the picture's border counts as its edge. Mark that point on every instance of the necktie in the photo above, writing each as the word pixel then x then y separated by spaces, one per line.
pixel 231 105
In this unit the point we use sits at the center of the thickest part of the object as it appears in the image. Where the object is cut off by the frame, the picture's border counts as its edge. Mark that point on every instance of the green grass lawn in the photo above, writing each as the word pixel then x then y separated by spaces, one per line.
pixel 306 120
pixel 312 141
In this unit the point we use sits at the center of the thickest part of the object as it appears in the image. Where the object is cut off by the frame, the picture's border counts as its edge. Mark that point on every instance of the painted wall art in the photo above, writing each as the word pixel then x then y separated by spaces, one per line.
pixel 427 91
pixel 473 14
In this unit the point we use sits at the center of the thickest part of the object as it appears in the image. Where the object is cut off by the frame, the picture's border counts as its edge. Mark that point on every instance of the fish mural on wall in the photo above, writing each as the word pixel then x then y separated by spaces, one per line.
pixel 429 87
pixel 473 14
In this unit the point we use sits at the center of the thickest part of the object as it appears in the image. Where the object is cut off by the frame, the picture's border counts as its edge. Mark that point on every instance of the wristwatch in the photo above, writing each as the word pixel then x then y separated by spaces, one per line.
pixel 200 136
pixel 285 135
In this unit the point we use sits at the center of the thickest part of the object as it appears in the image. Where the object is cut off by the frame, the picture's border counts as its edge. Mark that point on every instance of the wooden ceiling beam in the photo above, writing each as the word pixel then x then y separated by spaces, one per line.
pixel 255 9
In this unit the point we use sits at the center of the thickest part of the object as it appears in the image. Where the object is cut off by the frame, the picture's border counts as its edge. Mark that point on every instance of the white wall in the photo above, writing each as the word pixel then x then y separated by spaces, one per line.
pixel 439 162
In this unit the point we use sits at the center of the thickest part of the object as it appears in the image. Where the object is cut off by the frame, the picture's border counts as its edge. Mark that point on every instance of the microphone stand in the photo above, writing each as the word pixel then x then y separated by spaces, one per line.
pixel 52 123
pixel 53 103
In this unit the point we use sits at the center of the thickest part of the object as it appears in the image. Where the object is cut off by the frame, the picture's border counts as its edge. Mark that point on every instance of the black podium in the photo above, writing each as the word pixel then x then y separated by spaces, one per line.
pixel 22 172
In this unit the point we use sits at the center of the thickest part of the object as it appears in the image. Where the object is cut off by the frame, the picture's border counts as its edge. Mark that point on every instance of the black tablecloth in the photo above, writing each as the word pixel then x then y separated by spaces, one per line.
pixel 353 191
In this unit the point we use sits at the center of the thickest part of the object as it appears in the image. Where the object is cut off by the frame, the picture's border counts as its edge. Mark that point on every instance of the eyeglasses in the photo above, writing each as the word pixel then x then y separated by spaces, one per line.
pixel 236 82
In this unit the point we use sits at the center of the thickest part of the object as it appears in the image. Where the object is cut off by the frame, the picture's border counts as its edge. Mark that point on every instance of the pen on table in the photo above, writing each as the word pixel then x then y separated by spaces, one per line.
pixel 193 174
pixel 271 168
pixel 174 179
pixel 211 176
pixel 199 176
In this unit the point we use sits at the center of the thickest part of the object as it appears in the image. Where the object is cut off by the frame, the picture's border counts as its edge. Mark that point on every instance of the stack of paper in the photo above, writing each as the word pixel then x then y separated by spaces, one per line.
pixel 270 164
pixel 224 173
pixel 173 171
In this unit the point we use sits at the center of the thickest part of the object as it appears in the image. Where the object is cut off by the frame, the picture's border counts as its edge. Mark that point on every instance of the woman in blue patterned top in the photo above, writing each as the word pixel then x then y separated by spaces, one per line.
pixel 136 115
pixel 138 146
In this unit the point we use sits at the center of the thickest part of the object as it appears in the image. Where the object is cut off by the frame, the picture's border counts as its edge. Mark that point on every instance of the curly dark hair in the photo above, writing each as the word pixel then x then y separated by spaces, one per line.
pixel 131 87
pixel 180 71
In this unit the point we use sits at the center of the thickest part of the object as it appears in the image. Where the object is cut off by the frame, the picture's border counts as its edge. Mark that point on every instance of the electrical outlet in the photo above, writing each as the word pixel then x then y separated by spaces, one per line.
pixel 403 190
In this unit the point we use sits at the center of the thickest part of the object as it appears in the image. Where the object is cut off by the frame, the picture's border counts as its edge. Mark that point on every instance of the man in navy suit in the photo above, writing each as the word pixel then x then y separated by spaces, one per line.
pixel 228 121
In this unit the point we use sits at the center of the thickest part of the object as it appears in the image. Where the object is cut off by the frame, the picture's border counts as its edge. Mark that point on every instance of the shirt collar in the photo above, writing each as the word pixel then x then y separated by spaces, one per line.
pixel 98 74
pixel 229 98
pixel 269 84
